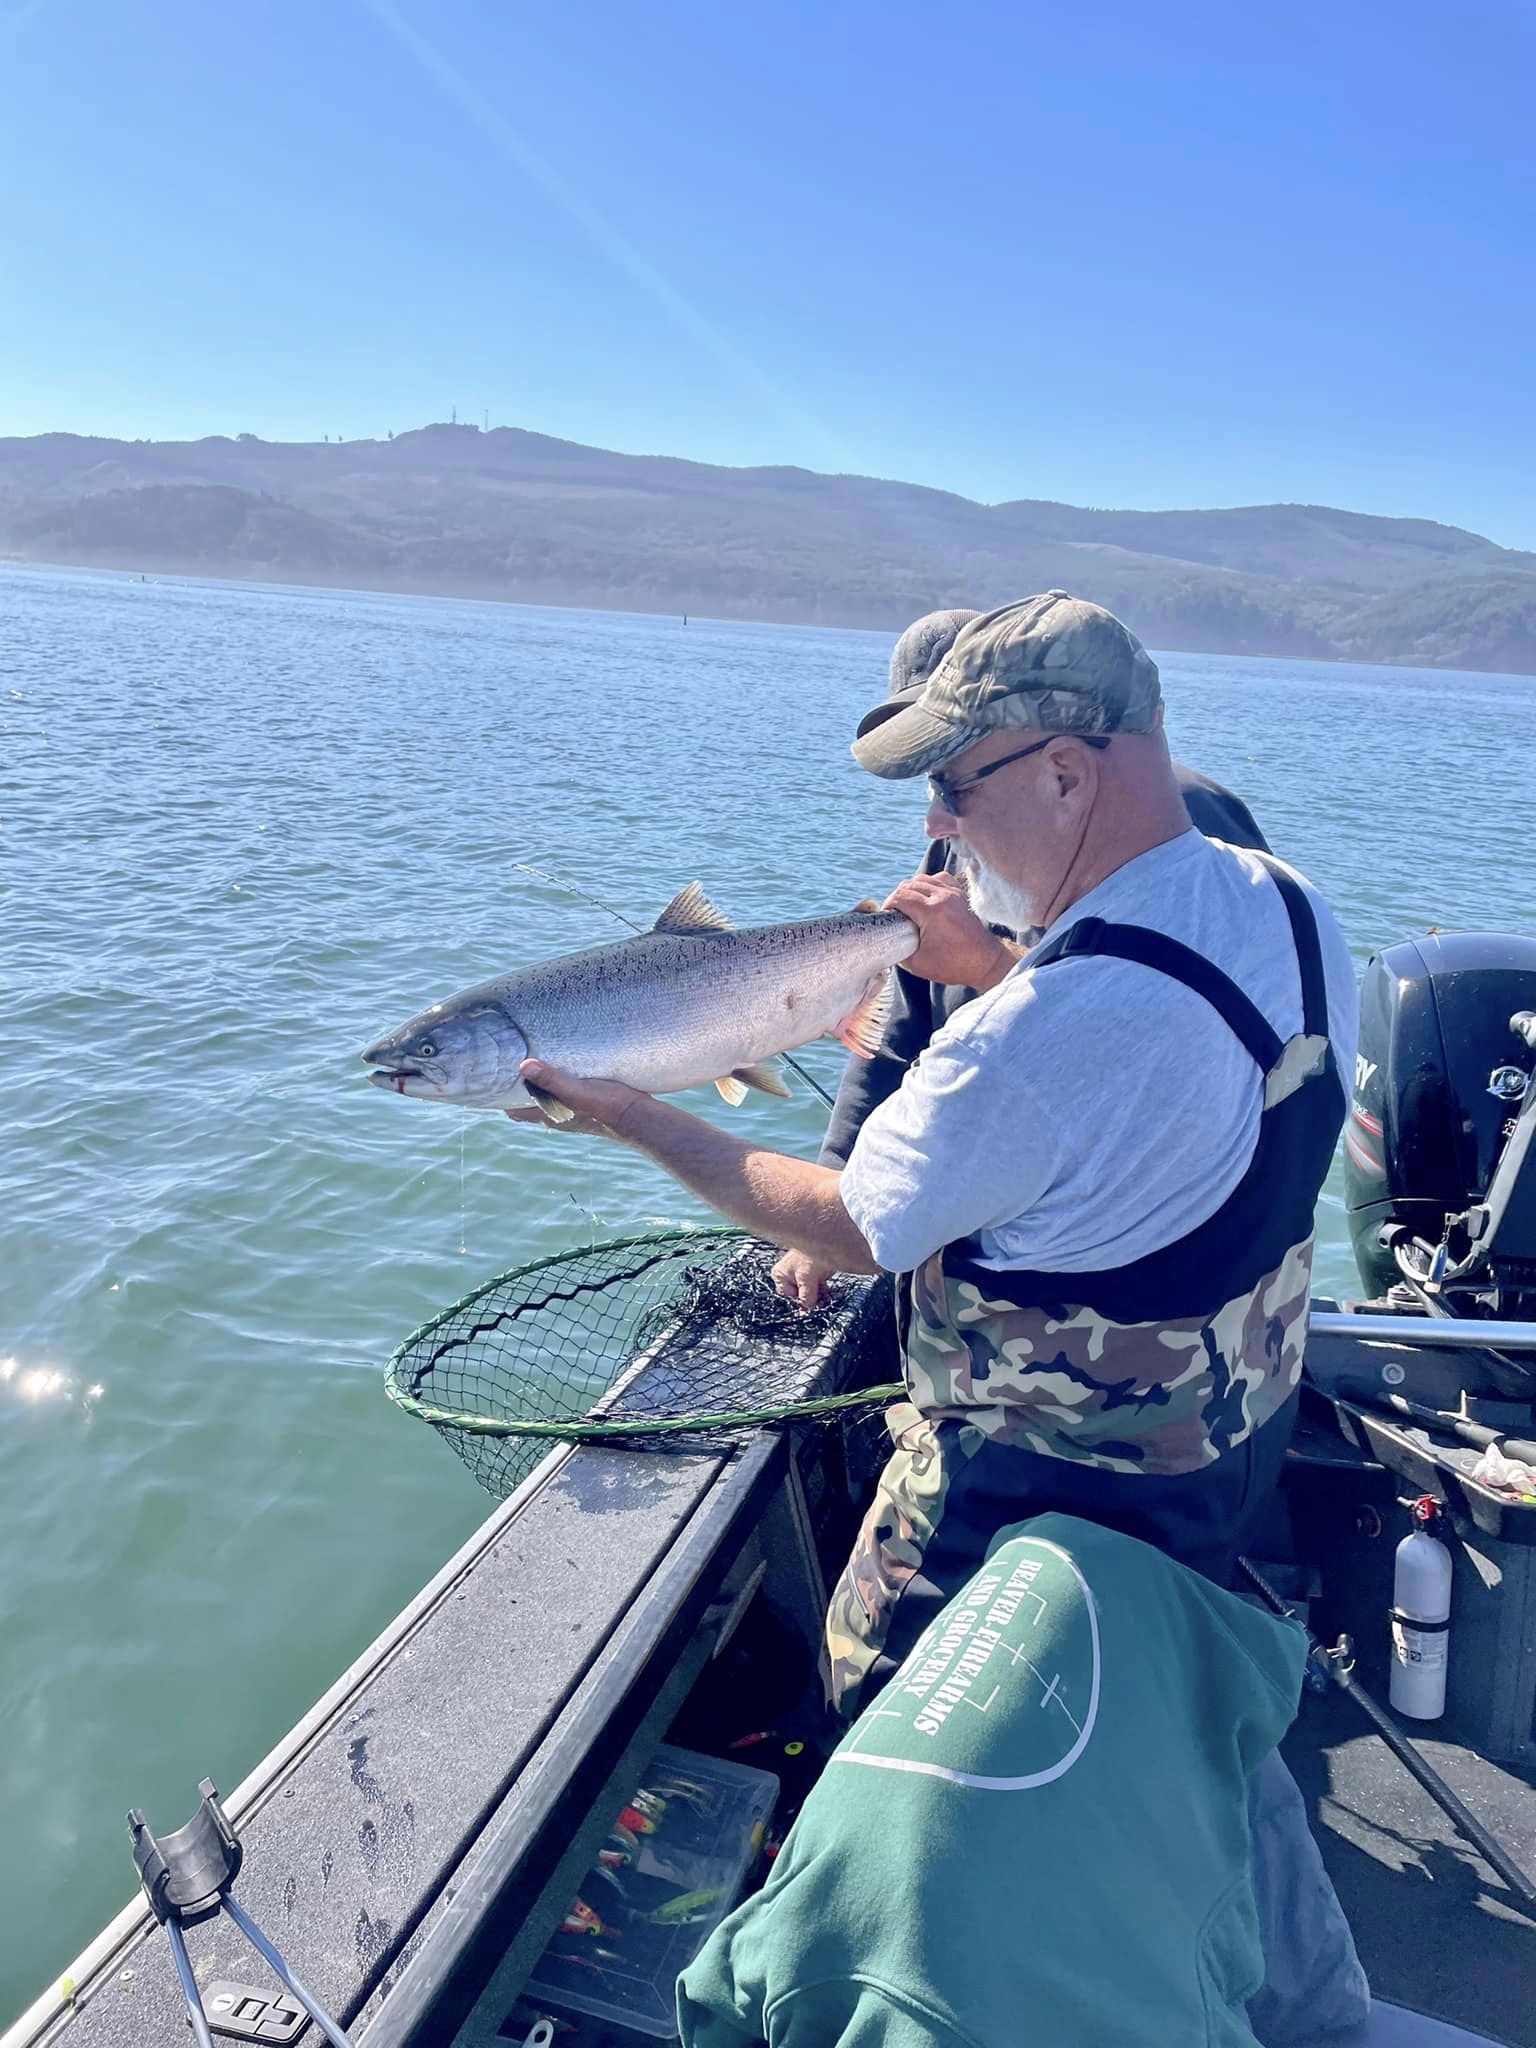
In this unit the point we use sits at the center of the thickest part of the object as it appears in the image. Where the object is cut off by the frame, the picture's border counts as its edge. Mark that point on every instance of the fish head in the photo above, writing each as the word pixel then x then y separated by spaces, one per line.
pixel 466 1054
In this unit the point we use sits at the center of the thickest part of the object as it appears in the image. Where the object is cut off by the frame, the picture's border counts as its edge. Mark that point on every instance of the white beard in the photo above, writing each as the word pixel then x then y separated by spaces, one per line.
pixel 994 900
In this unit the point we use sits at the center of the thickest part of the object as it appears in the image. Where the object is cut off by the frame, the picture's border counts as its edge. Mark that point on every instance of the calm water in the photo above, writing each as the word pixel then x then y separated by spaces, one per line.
pixel 243 829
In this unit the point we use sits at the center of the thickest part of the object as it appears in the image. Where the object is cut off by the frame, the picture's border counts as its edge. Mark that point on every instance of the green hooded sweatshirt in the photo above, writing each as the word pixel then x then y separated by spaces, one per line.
pixel 1036 1834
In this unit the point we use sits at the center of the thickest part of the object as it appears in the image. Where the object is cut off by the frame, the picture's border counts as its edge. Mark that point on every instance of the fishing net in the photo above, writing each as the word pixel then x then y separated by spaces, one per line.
pixel 673 1341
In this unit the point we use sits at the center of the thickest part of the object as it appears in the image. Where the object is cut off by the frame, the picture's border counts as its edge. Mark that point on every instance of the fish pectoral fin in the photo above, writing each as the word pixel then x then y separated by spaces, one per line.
pixel 733 1091
pixel 763 1076
pixel 864 1026
pixel 557 1111
pixel 691 911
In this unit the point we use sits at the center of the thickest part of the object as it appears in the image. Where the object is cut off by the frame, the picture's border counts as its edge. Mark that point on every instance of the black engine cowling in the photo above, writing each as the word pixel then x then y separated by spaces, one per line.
pixel 1439 1083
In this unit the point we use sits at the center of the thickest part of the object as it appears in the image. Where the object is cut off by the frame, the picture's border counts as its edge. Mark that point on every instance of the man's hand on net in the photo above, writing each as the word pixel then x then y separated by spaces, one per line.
pixel 802 1279
pixel 954 946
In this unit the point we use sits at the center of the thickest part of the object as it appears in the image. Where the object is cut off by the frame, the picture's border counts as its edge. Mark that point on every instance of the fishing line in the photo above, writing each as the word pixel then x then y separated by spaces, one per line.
pixel 463 1202
pixel 586 896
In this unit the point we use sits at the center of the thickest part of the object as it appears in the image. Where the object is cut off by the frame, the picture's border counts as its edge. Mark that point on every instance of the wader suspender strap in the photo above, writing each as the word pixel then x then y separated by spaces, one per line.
pixel 1091 937
pixel 1309 954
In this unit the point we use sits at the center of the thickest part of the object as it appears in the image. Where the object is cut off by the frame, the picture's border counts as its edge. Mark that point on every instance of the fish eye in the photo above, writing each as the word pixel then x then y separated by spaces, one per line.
pixel 427 1050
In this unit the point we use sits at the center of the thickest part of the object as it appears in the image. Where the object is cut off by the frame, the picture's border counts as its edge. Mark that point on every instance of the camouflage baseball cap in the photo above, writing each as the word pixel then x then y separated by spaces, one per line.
pixel 1052 663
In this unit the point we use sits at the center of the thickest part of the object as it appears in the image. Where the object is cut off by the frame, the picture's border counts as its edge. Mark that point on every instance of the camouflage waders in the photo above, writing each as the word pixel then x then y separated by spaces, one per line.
pixel 1156 1398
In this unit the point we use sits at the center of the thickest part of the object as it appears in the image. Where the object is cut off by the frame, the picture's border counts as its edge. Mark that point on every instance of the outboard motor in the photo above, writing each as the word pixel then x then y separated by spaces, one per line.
pixel 1440 1143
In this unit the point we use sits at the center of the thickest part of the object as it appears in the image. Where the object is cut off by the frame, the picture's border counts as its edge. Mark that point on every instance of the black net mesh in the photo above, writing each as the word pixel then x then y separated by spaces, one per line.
pixel 673 1341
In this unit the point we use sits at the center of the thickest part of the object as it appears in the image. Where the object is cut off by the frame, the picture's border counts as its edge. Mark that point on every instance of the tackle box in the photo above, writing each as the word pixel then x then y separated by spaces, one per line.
pixel 655 1911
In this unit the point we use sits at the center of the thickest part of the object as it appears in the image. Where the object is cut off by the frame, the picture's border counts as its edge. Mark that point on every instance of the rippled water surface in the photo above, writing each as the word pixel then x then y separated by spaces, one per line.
pixel 244 829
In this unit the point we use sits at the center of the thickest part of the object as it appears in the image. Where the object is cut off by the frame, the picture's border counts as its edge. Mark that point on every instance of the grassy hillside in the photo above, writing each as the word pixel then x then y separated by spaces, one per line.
pixel 512 514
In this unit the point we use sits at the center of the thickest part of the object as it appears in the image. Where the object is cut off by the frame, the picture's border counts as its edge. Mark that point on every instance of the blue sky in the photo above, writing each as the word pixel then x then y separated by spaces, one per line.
pixel 1109 253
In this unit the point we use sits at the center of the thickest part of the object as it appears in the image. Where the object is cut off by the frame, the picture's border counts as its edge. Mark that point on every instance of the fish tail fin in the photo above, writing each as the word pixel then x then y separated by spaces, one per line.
pixel 733 1091
pixel 765 1077
pixel 864 1026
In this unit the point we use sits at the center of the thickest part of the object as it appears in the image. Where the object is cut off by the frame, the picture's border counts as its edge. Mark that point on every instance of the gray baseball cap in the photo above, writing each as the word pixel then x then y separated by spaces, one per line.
pixel 913 660
pixel 1051 663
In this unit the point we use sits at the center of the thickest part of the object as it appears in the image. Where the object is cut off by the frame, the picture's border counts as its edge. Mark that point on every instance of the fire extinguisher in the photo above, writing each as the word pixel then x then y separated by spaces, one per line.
pixel 1421 1617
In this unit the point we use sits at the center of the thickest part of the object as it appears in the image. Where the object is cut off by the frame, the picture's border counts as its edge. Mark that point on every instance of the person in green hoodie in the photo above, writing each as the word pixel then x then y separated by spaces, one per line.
pixel 1038 1831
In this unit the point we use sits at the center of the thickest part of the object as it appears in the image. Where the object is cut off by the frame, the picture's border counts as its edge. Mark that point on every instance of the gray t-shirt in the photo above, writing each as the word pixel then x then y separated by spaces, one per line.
pixel 1079 1118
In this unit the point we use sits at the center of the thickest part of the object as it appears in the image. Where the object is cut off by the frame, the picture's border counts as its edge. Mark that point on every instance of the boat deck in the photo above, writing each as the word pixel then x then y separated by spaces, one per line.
pixel 1435 1928
pixel 416 1840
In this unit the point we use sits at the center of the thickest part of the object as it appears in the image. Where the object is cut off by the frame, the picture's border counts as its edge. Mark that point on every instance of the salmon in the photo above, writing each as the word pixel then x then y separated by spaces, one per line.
pixel 690 1001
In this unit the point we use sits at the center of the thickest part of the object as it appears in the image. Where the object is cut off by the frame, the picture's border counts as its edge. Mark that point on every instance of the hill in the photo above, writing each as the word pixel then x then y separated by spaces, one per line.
pixel 513 514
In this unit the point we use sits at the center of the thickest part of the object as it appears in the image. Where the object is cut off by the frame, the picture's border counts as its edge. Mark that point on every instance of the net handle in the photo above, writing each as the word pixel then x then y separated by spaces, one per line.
pixel 617 1429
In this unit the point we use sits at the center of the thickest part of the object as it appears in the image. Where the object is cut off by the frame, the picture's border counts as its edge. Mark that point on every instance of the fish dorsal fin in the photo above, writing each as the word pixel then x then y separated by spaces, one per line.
pixel 866 907
pixel 691 911
pixel 864 1026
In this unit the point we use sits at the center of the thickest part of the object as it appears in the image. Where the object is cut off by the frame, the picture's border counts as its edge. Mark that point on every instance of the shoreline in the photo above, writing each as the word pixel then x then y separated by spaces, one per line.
pixel 299 584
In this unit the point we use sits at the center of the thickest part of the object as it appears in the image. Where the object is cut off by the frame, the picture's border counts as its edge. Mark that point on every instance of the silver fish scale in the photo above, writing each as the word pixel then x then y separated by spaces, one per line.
pixel 667 1010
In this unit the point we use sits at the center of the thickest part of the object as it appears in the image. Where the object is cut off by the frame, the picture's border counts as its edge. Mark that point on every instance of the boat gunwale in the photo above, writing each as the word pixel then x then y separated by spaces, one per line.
pixel 31 2026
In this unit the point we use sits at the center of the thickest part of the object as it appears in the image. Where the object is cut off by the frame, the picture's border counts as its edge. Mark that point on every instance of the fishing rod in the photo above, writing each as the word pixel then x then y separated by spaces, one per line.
pixel 586 896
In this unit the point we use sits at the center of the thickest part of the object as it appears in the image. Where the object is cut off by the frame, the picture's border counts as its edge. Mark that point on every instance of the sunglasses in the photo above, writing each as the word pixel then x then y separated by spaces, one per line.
pixel 948 795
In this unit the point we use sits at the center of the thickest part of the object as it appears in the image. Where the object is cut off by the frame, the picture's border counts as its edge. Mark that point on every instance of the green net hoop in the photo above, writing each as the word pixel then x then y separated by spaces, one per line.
pixel 677 1340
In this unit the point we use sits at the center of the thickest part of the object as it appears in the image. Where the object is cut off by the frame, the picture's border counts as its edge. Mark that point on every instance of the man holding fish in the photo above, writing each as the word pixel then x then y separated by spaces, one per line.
pixel 1097 1180
pixel 919 1007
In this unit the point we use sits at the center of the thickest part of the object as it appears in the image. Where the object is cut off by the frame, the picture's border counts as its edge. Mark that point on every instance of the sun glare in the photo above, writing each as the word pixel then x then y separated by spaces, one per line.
pixel 38 1383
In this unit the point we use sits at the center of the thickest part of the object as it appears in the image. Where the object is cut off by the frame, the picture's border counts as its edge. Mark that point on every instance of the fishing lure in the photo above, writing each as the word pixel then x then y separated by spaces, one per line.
pixel 700 1797
pixel 686 1908
pixel 636 1820
pixel 582 1951
pixel 582 1920
pixel 597 1970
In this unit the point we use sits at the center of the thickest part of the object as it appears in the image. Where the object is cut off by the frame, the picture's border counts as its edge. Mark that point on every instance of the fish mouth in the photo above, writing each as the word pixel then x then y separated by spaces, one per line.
pixel 388 1071
pixel 395 1077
